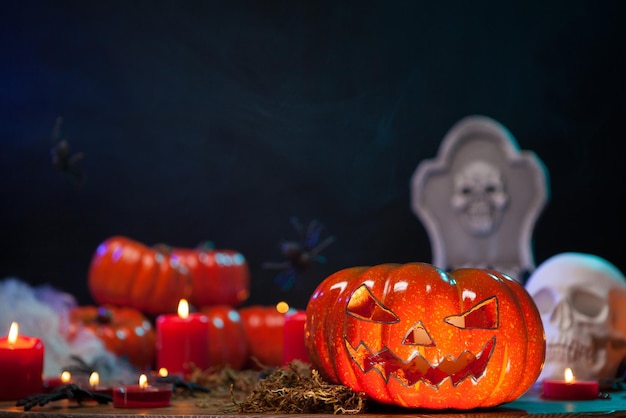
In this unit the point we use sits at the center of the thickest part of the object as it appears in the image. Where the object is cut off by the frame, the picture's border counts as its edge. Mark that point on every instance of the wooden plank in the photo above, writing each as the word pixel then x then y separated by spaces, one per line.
pixel 528 405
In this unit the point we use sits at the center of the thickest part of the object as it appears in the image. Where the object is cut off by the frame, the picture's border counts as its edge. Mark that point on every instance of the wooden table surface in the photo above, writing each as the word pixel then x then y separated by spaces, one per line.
pixel 528 405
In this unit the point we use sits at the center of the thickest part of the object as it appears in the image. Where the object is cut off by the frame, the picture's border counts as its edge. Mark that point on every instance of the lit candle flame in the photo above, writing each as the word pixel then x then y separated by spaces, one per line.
pixel 94 379
pixel 66 377
pixel 12 338
pixel 568 375
pixel 282 307
pixel 143 381
pixel 183 309
pixel 163 372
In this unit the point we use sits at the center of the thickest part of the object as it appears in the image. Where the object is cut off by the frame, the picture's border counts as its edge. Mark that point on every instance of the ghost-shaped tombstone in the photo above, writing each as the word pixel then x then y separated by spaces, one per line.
pixel 480 198
pixel 582 302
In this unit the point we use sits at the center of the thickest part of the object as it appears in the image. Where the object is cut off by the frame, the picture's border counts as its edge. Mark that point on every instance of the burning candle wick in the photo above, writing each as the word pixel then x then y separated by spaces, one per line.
pixel 282 307
pixel 183 309
pixel 12 337
pixel 94 379
pixel 143 381
pixel 66 377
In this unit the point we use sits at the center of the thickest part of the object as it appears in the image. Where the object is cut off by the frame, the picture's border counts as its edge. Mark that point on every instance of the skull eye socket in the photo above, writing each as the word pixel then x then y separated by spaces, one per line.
pixel 544 299
pixel 483 315
pixel 587 303
pixel 366 307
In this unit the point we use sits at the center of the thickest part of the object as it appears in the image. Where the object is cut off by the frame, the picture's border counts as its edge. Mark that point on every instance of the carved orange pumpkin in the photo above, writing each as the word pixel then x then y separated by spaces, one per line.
pixel 125 332
pixel 227 339
pixel 124 272
pixel 415 336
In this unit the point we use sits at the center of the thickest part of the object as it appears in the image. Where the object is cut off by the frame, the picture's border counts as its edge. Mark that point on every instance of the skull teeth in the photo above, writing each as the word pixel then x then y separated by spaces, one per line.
pixel 573 352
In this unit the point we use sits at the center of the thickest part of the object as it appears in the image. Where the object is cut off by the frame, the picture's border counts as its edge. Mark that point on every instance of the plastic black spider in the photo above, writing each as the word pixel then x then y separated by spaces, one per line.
pixel 80 367
pixel 70 391
pixel 178 383
pixel 300 255
pixel 63 161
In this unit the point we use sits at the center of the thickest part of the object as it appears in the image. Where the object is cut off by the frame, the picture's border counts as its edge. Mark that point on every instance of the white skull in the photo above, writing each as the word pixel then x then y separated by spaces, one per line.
pixel 582 302
pixel 479 197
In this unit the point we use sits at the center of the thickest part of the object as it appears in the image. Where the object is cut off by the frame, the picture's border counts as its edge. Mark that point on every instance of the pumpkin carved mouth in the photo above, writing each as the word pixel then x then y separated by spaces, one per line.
pixel 409 372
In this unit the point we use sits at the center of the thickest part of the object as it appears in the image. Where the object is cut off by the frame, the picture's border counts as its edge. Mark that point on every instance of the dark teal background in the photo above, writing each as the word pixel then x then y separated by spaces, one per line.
pixel 221 119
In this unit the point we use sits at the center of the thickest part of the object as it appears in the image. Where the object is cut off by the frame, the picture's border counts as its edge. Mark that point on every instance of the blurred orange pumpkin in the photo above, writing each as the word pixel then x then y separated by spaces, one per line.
pixel 124 272
pixel 263 326
pixel 219 277
pixel 227 340
pixel 126 332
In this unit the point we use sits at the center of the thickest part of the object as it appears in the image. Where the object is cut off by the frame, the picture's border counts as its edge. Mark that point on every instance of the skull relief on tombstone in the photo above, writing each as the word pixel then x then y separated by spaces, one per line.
pixel 479 197
pixel 582 302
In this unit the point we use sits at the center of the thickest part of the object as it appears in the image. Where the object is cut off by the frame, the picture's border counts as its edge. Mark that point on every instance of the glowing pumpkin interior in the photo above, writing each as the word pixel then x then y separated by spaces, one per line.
pixel 365 307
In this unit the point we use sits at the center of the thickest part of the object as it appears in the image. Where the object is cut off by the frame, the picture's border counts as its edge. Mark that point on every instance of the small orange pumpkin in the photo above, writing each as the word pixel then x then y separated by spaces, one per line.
pixel 124 272
pixel 263 327
pixel 126 332
pixel 415 336
pixel 227 340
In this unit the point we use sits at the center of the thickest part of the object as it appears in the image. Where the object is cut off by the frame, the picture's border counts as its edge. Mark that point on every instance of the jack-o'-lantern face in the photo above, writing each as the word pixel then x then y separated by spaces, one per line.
pixel 416 336
pixel 418 366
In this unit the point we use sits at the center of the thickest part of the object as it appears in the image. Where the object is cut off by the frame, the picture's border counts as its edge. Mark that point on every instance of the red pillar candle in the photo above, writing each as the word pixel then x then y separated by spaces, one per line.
pixel 21 365
pixel 182 341
pixel 293 338
pixel 142 395
pixel 570 389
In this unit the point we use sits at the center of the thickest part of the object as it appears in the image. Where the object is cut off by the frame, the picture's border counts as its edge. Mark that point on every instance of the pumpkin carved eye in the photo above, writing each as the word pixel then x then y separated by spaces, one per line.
pixel 365 306
pixel 483 315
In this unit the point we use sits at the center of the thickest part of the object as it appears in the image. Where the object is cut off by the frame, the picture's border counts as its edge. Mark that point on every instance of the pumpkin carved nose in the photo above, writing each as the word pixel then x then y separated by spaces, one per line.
pixel 418 335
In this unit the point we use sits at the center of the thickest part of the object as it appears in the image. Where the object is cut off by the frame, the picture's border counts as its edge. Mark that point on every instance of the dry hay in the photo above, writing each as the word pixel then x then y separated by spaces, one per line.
pixel 296 389
pixel 226 386
pixel 293 389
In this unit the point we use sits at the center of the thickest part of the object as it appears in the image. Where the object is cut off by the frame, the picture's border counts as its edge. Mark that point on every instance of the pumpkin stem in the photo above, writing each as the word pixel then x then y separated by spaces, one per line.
pixel 104 316
pixel 162 248
pixel 206 246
